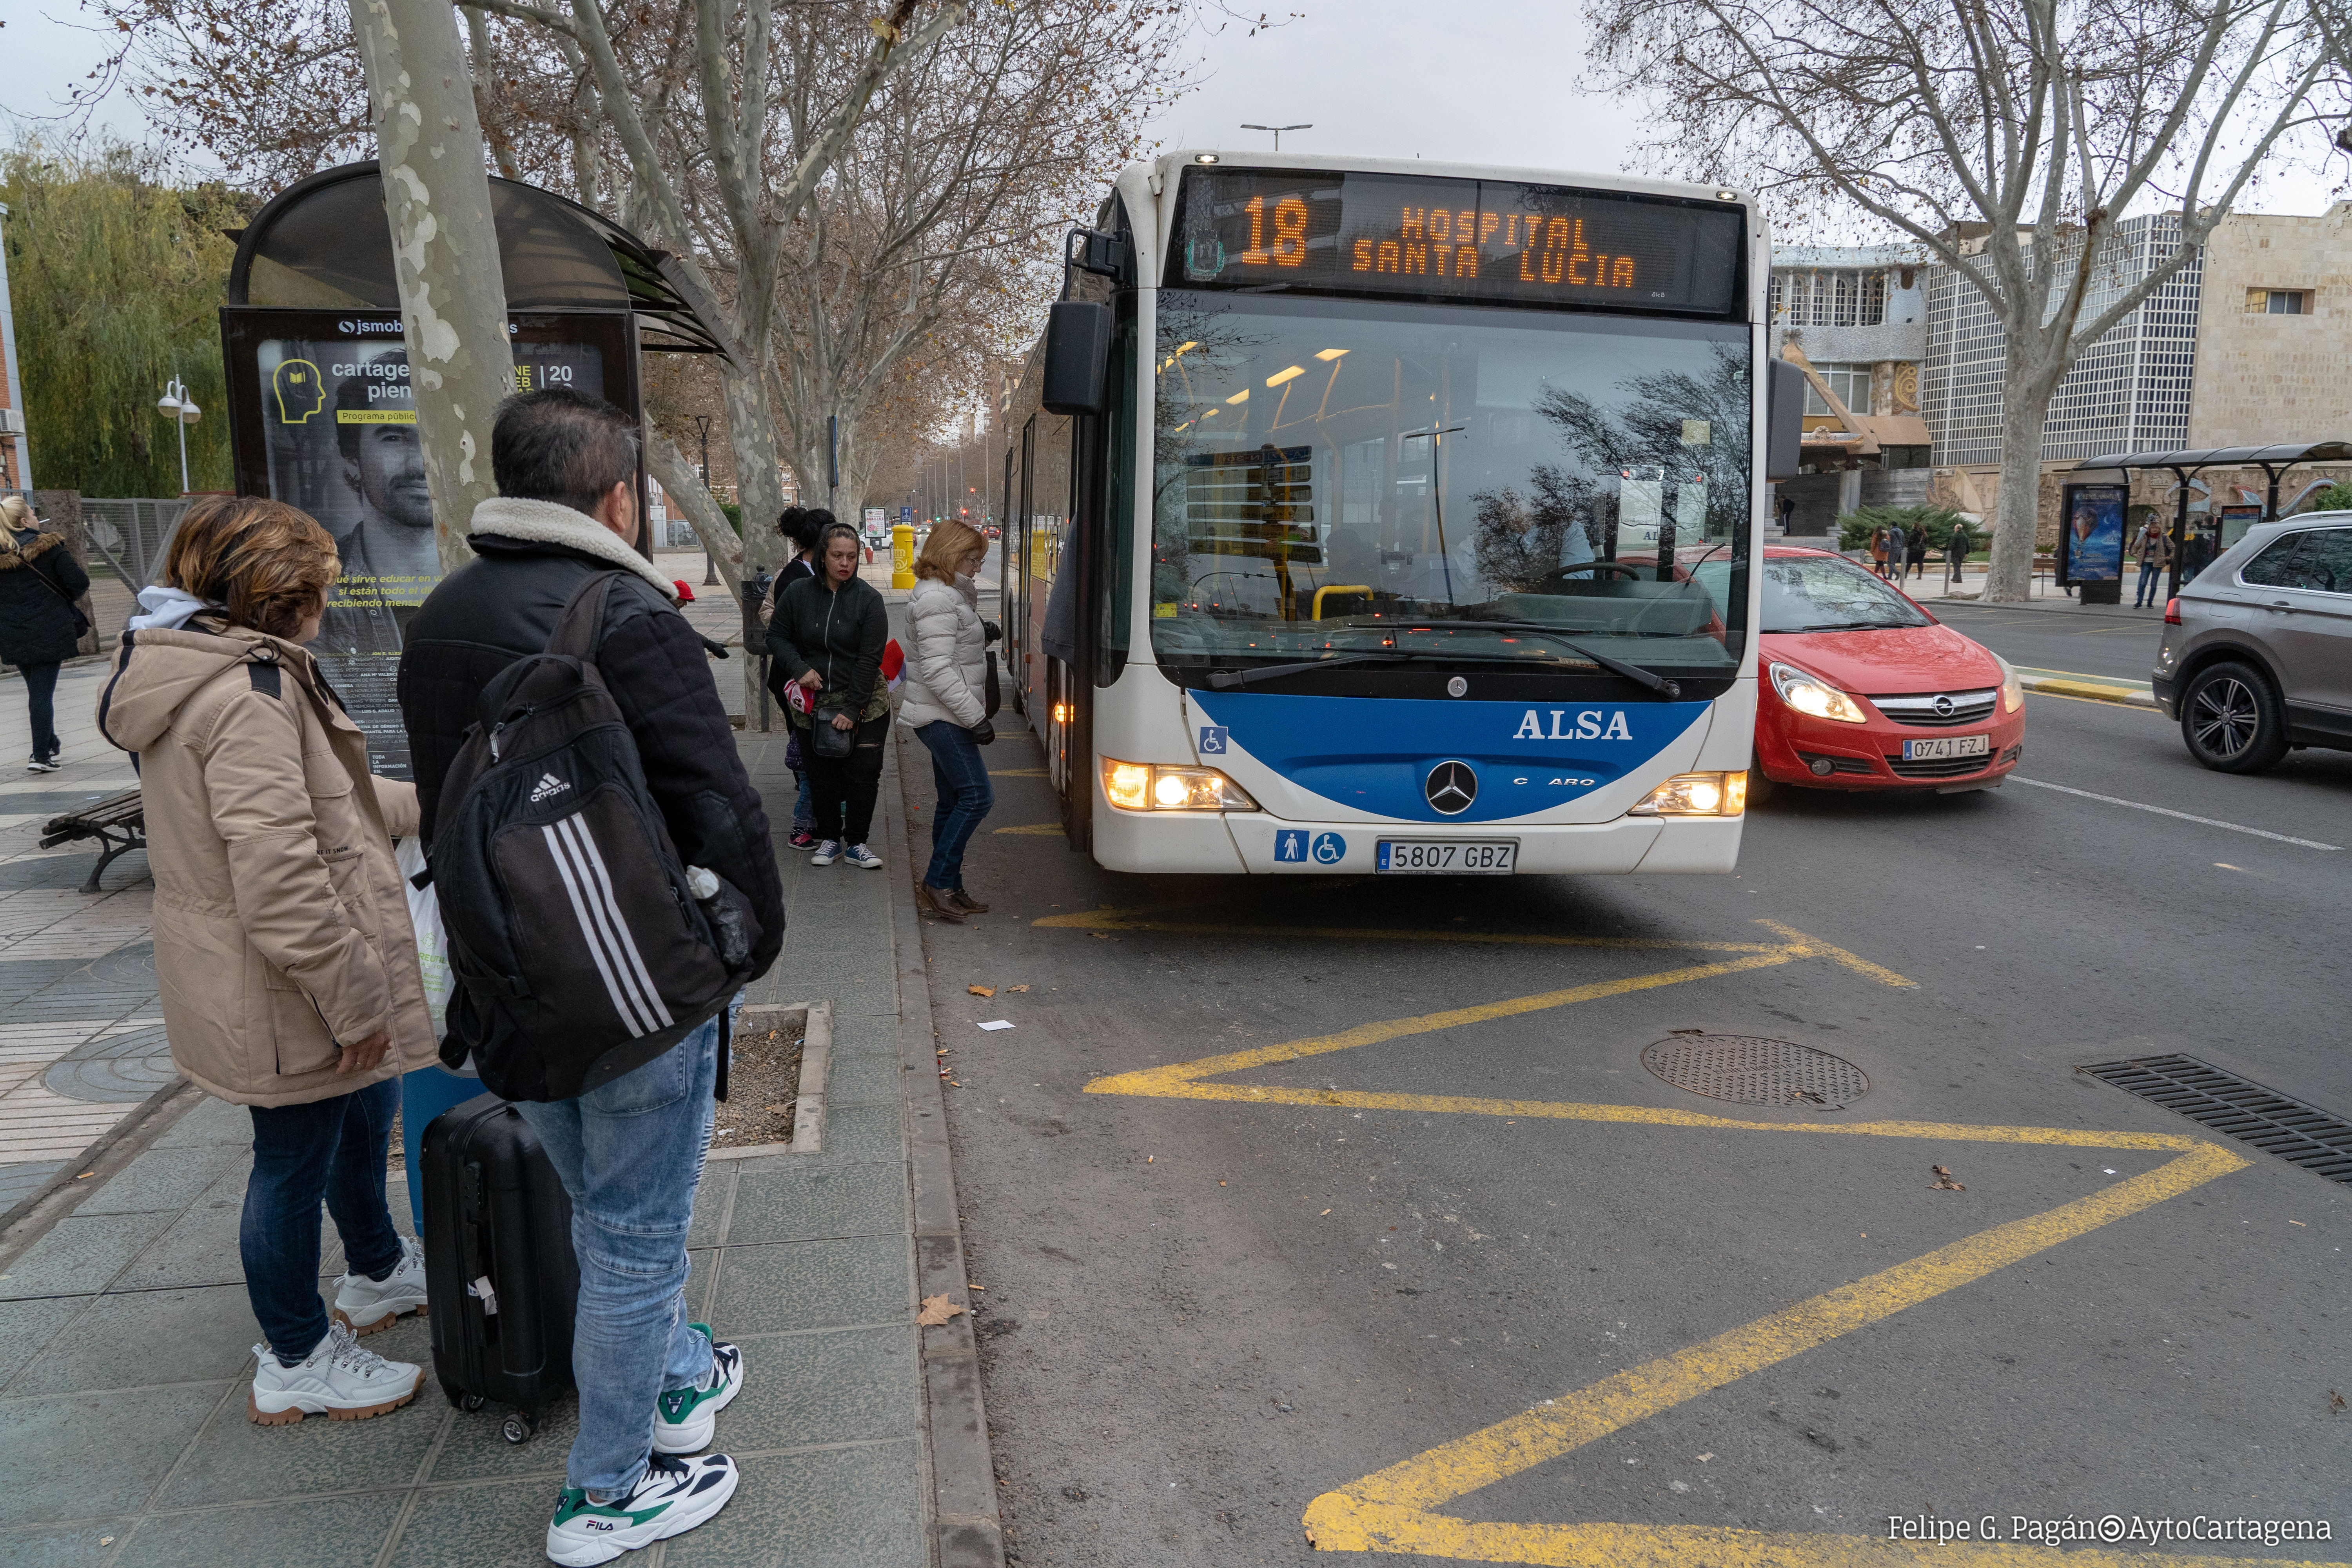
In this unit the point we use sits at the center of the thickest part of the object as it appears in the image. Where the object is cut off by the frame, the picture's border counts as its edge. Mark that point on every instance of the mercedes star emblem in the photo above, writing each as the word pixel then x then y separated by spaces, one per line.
pixel 1451 787
pixel 1943 706
pixel 1457 687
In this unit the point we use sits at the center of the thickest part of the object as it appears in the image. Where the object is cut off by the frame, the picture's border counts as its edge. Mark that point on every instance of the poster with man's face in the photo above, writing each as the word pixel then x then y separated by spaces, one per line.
pixel 339 417
pixel 2094 533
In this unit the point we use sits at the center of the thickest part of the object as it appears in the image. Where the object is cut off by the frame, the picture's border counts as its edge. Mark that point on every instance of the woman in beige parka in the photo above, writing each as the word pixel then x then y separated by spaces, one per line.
pixel 283 950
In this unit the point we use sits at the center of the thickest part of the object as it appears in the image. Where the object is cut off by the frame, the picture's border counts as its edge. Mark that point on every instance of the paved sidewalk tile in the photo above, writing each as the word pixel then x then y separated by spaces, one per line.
pixel 126 1333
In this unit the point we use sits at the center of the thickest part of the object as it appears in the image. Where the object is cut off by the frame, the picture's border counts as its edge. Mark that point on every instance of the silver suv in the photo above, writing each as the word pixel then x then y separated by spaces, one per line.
pixel 2257 654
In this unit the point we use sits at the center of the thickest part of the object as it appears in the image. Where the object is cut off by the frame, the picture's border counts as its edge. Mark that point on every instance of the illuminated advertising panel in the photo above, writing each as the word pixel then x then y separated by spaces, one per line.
pixel 323 413
pixel 1496 240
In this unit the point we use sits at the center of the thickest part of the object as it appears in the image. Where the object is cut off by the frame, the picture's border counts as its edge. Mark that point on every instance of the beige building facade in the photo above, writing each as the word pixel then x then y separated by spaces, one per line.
pixel 2274 333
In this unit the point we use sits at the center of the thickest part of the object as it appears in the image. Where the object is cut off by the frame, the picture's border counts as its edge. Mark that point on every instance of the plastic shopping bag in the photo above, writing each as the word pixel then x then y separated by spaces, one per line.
pixel 432 937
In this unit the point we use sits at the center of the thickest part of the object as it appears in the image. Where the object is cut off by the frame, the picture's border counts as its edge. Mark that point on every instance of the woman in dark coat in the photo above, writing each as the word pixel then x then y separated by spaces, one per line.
pixel 826 636
pixel 40 627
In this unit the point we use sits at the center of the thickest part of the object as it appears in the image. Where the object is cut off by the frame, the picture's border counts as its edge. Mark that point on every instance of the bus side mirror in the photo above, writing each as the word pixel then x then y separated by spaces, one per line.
pixel 1077 357
pixel 1784 415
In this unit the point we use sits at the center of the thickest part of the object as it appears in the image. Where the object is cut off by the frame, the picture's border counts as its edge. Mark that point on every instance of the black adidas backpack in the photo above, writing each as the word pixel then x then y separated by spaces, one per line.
pixel 579 949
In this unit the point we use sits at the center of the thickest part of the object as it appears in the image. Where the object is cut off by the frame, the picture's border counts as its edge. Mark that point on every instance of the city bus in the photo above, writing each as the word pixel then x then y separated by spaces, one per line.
pixel 1369 516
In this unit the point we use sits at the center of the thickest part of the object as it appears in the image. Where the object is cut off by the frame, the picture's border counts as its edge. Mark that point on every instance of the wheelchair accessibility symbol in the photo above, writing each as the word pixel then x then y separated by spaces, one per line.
pixel 1213 739
pixel 1329 850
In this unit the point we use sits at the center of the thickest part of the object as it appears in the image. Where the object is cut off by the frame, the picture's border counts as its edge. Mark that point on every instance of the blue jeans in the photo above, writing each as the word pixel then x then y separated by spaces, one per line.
pixel 630 1156
pixel 804 813
pixel 332 1149
pixel 2149 575
pixel 962 779
pixel 41 706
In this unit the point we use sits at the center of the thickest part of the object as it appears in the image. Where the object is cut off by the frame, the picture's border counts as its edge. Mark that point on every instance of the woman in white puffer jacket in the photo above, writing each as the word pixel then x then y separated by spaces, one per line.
pixel 946 703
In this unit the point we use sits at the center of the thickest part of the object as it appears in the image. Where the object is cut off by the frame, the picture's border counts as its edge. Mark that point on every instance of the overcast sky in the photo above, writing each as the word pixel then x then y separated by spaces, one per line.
pixel 1383 77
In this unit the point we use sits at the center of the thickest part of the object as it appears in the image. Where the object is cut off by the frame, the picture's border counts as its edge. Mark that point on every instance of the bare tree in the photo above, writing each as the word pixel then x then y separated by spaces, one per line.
pixel 444 246
pixel 2009 137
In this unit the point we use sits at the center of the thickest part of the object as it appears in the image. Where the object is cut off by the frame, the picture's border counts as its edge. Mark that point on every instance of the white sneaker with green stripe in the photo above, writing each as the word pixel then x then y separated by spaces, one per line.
pixel 671 1497
pixel 685 1419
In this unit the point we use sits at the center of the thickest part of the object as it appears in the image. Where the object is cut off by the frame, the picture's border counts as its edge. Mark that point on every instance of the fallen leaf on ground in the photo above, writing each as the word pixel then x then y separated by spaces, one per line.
pixel 776 1108
pixel 1011 989
pixel 1320 1215
pixel 937 1310
pixel 982 990
pixel 2334 1403
pixel 1944 1182
pixel 1703 1458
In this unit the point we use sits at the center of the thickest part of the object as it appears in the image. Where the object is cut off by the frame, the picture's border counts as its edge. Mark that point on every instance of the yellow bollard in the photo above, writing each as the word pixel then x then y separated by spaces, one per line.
pixel 902 555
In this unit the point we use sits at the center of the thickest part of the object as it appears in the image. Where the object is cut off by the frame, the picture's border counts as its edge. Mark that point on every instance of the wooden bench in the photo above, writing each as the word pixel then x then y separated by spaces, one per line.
pixel 119 823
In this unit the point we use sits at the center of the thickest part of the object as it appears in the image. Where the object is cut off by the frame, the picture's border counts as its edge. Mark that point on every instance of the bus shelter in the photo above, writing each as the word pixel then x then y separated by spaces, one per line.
pixel 2086 499
pixel 322 414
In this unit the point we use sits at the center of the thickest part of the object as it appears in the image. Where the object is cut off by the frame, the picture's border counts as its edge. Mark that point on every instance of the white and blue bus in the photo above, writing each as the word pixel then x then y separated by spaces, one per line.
pixel 1369 516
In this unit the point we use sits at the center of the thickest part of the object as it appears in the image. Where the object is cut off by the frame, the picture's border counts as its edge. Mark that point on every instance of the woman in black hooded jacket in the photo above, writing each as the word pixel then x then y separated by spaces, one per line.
pixel 827 637
pixel 39 628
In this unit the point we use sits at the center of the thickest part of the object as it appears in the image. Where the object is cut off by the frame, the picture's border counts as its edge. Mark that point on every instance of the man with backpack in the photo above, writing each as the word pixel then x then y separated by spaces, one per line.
pixel 596 948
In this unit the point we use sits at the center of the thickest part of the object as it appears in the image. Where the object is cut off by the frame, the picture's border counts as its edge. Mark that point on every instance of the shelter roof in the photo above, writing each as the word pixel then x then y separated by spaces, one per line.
pixel 323 244
pixel 2281 456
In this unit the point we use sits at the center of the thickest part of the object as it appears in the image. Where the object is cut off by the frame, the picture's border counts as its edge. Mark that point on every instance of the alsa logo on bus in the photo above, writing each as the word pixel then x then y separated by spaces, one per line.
pixel 1588 726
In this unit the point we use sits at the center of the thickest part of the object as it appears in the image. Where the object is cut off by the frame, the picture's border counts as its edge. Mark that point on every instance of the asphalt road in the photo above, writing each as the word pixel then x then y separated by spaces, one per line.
pixel 1203 1312
pixel 2098 640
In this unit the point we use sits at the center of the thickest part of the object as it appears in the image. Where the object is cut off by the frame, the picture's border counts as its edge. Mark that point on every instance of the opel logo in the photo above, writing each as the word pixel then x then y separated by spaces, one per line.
pixel 1451 787
pixel 1943 706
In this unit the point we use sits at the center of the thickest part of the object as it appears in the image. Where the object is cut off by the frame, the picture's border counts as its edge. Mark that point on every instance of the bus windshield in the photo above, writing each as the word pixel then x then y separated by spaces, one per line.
pixel 1333 477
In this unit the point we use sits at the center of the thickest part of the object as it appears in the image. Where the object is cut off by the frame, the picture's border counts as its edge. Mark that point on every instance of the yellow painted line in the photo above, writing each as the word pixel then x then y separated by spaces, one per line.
pixel 1117 920
pixel 1692 1546
pixel 1391 1509
pixel 1040 830
pixel 1816 948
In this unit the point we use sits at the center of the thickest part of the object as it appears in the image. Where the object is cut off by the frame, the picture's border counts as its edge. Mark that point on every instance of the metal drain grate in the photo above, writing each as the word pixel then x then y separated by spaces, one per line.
pixel 1753 1070
pixel 2276 1123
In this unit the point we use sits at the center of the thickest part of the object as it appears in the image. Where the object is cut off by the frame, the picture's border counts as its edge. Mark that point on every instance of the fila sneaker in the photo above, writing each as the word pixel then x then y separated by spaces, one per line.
pixel 365 1306
pixel 337 1379
pixel 825 852
pixel 671 1497
pixel 546 788
pixel 862 858
pixel 685 1419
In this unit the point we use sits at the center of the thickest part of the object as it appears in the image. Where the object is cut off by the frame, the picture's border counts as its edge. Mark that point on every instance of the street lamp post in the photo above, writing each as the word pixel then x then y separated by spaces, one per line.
pixel 709 562
pixel 176 405
pixel 1278 130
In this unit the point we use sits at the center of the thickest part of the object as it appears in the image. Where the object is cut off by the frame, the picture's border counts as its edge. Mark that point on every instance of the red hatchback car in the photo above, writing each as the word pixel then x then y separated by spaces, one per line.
pixel 1859 689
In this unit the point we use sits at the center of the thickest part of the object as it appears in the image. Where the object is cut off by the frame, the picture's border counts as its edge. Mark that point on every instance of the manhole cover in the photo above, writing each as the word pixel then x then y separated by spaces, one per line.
pixel 1756 1071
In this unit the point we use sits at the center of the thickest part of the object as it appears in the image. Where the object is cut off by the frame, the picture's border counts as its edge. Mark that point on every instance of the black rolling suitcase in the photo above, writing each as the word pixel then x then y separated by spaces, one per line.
pixel 501 1277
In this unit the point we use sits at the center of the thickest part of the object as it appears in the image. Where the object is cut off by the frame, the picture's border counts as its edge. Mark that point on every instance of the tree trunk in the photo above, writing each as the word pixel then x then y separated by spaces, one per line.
pixel 2018 512
pixel 453 299
pixel 759 485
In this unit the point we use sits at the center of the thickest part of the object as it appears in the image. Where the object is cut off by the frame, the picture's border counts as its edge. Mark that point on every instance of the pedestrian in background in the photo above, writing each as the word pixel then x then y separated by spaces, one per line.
pixel 283 948
pixel 826 638
pixel 1915 547
pixel 800 526
pixel 40 625
pixel 1879 548
pixel 629 1152
pixel 1956 551
pixel 946 704
pixel 2155 551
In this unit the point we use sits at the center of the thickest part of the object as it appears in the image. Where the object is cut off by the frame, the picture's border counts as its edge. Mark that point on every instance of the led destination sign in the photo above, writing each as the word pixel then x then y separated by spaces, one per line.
pixel 1476 239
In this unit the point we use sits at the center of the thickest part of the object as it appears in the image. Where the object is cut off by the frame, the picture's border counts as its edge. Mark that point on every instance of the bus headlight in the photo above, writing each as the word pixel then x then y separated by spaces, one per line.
pixel 1698 795
pixel 1146 786
pixel 1812 695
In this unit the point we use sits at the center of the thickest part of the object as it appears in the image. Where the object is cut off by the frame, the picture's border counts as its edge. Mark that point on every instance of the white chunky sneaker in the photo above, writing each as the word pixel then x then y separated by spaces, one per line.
pixel 862 858
pixel 366 1306
pixel 685 1419
pixel 338 1380
pixel 671 1497
pixel 825 852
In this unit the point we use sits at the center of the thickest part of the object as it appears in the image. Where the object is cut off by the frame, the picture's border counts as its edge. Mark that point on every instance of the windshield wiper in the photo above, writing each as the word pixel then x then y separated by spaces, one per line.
pixel 1227 679
pixel 1632 672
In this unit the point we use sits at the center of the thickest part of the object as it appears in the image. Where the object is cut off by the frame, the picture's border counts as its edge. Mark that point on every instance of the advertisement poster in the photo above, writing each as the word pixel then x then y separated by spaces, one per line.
pixel 339 426
pixel 2093 538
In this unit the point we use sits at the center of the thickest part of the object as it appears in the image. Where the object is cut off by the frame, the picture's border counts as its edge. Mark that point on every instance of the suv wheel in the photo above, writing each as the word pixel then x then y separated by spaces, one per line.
pixel 2231 720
